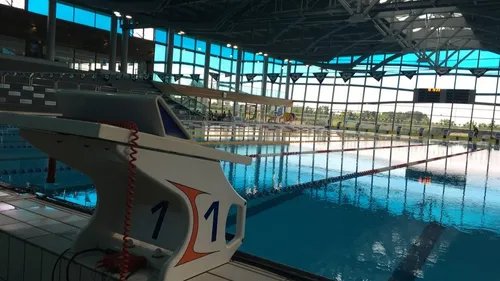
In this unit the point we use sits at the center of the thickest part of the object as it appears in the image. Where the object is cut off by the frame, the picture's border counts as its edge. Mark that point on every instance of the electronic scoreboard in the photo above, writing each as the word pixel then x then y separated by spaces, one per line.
pixel 436 95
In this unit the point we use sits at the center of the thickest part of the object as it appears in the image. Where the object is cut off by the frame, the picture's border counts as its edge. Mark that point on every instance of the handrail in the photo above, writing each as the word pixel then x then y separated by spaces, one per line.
pixel 184 100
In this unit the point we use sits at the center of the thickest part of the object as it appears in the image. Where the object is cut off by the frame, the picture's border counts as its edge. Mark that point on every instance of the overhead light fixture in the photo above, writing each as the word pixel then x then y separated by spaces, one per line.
pixel 117 14
pixel 286 60
pixel 228 45
pixel 181 32
pixel 230 56
pixel 259 53
pixel 236 47
pixel 199 49
pixel 265 55
pixel 128 17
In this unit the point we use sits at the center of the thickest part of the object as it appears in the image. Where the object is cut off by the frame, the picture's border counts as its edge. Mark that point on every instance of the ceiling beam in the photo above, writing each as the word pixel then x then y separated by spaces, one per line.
pixel 284 30
pixel 327 35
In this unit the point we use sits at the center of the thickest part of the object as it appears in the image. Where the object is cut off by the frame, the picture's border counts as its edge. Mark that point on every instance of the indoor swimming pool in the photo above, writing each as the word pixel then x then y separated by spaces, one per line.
pixel 375 208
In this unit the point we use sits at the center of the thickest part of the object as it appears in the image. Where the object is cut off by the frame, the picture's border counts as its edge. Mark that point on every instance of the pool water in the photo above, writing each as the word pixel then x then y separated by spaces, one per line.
pixel 438 220
pixel 364 228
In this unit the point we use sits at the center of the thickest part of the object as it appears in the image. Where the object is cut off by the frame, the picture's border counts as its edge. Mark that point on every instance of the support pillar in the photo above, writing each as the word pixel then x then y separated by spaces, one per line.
pixel 237 82
pixel 124 52
pixel 51 171
pixel 287 87
pixel 113 36
pixel 51 31
pixel 170 54
pixel 238 72
pixel 264 76
pixel 206 71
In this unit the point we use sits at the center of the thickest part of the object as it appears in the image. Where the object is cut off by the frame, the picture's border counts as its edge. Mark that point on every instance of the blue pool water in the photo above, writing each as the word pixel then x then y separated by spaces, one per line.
pixel 365 228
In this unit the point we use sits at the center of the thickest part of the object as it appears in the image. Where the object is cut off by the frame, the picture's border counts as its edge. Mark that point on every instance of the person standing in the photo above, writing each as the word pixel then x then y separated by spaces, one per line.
pixel 476 131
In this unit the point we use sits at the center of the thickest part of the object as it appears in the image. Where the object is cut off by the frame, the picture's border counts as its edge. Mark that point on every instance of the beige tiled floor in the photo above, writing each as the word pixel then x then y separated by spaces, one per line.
pixel 42 231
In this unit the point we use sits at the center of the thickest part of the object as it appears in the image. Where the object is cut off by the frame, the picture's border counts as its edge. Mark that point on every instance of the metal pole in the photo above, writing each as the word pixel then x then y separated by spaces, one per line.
pixel 494 112
pixel 305 95
pixel 206 75
pixel 397 95
pixel 363 97
pixel 113 36
pixel 264 76
pixel 124 50
pixel 287 85
pixel 51 171
pixel 170 53
pixel 237 82
pixel 51 31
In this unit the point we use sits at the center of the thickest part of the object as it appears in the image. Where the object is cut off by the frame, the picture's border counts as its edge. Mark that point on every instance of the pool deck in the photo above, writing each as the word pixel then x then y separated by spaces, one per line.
pixel 34 233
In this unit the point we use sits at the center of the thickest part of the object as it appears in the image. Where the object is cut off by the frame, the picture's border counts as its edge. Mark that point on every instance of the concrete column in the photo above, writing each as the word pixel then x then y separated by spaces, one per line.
pixel 170 51
pixel 113 35
pixel 287 87
pixel 51 31
pixel 237 82
pixel 124 52
pixel 206 75
pixel 238 71
pixel 264 76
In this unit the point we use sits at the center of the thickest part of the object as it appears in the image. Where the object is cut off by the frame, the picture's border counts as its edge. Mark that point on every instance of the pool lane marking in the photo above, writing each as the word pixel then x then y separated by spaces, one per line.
pixel 263 142
pixel 265 205
pixel 301 186
pixel 418 253
pixel 416 257
pixel 17 157
pixel 332 150
pixel 381 170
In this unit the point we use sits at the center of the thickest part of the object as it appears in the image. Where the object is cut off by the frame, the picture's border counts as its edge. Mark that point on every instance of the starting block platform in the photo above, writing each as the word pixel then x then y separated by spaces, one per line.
pixel 162 199
pixel 34 233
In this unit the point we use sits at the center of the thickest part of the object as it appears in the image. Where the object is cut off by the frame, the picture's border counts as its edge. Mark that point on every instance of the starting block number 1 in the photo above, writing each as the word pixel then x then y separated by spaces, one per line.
pixel 162 206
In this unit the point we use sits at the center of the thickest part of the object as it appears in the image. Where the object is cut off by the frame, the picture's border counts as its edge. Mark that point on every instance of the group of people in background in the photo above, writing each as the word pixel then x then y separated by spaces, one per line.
pixel 215 116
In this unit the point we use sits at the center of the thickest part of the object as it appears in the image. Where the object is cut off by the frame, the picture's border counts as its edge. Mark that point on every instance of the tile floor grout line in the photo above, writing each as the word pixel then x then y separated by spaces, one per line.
pixel 44 216
pixel 256 270
pixel 48 231
pixel 222 277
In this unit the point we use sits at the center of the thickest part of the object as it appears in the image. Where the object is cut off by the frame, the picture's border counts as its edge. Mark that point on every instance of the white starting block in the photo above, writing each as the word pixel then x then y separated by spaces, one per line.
pixel 182 197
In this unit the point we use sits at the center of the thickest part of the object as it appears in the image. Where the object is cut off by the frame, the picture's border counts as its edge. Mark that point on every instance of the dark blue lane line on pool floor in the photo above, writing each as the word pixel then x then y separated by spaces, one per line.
pixel 418 253
pixel 265 205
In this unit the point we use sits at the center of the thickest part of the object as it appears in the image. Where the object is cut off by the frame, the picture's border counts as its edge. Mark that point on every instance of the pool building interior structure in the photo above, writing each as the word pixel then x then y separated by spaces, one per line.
pixel 305 140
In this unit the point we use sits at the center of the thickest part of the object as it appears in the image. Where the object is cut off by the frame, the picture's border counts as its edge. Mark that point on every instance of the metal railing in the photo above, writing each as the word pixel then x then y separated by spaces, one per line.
pixel 196 107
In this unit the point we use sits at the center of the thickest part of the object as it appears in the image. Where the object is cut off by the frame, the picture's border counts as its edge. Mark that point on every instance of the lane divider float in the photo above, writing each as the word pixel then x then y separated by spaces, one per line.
pixel 254 193
pixel 277 142
pixel 331 150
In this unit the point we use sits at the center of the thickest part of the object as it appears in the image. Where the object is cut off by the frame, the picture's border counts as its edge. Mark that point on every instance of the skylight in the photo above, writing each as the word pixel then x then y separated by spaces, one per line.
pixel 402 17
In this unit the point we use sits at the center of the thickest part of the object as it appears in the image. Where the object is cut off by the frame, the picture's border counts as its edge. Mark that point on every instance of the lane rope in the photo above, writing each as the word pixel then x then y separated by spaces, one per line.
pixel 254 193
pixel 331 150
pixel 275 142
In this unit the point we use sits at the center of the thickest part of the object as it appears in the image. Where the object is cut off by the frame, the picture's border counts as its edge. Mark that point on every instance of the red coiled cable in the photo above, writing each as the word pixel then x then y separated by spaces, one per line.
pixel 127 224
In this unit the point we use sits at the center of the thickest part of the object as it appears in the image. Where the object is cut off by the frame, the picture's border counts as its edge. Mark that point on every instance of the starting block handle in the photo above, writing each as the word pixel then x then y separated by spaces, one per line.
pixel 240 226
